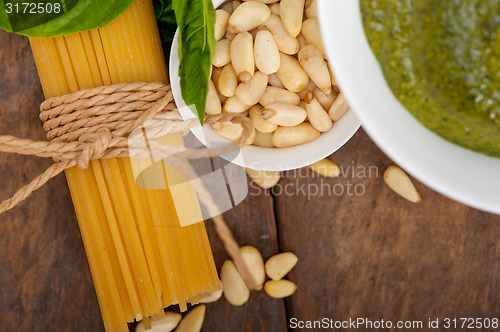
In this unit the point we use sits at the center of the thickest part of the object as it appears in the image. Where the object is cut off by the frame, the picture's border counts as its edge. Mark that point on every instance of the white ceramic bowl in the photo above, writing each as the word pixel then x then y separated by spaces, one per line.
pixel 466 176
pixel 268 158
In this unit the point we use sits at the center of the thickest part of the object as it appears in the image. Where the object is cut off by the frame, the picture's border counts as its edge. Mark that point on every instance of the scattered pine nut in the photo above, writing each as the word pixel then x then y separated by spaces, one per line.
pixel 255 264
pixel 401 183
pixel 279 265
pixel 280 288
pixel 193 321
pixel 213 297
pixel 264 179
pixel 165 324
pixel 326 167
pixel 235 289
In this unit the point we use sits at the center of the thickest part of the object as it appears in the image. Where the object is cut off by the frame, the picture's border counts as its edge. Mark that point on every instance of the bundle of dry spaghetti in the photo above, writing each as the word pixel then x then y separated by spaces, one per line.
pixel 140 257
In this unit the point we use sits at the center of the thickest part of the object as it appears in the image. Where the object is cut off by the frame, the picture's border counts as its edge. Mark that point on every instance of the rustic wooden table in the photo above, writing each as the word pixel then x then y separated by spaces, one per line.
pixel 362 253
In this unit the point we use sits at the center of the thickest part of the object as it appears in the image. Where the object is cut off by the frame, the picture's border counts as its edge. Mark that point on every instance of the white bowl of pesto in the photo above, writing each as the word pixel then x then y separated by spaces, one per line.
pixel 467 176
pixel 259 158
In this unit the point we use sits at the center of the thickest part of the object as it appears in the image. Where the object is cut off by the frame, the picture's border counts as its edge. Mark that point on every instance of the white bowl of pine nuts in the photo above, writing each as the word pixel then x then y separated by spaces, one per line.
pixel 270 65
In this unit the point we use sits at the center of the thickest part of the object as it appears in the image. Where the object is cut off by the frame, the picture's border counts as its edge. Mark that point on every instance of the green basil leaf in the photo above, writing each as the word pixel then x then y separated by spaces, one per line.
pixel 196 50
pixel 166 24
pixel 75 16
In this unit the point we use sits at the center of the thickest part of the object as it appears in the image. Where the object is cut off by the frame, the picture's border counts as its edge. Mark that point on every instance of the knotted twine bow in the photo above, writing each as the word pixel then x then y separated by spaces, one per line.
pixel 97 123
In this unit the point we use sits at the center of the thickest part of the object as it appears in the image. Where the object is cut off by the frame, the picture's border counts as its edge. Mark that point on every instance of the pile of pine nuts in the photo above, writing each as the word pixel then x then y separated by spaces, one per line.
pixel 270 65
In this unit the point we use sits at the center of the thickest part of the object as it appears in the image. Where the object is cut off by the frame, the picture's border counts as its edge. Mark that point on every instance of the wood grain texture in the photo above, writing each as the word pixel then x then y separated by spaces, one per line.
pixel 365 253
pixel 378 256
pixel 45 282
pixel 253 223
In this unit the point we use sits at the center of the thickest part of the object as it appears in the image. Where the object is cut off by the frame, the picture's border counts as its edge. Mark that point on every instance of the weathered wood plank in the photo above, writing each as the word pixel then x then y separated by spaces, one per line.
pixel 45 282
pixel 378 256
pixel 252 223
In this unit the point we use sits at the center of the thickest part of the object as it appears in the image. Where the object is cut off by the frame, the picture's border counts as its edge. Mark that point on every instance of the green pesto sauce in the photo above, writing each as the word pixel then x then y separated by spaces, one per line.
pixel 441 59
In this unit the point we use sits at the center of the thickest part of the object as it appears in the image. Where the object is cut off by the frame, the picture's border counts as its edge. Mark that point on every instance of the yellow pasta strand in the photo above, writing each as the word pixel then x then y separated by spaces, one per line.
pixel 140 257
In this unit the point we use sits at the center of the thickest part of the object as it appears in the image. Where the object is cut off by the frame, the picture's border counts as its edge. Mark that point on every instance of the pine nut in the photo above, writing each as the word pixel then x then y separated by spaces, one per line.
pixel 212 297
pixel 302 40
pixel 235 290
pixel 311 60
pixel 274 95
pixel 275 81
pixel 312 34
pixel 311 9
pixel 310 87
pixel 261 124
pixel 216 71
pixel 325 167
pixel 264 179
pixel 241 52
pixel 284 114
pixel 255 264
pixel 275 9
pixel 317 116
pixel 221 19
pixel 285 137
pixel 286 43
pixel 291 12
pixel 291 73
pixel 338 108
pixel 267 55
pixel 325 100
pixel 231 131
pixel 213 105
pixel 193 321
pixel 234 105
pixel 264 140
pixel 221 55
pixel 255 43
pixel 249 93
pixel 248 16
pixel 227 81
pixel 280 288
pixel 401 183
pixel 279 265
pixel 165 324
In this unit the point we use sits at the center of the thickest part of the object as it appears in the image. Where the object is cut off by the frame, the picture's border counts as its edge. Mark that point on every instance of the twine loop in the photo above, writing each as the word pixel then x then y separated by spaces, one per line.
pixel 96 124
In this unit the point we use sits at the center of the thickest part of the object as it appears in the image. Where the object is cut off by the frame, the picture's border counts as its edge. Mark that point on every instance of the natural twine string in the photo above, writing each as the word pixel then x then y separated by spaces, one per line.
pixel 100 123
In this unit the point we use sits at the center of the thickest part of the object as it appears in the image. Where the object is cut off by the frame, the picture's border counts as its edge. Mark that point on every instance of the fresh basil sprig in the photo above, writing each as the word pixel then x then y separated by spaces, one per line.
pixel 194 18
pixel 166 24
pixel 196 21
